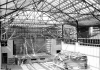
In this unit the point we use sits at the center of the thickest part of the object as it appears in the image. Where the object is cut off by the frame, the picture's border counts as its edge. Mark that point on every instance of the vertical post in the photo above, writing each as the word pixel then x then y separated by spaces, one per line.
pixel 76 44
pixel 77 30
pixel 0 56
pixel 34 44
pixel 0 31
pixel 99 58
pixel 0 45
pixel 62 30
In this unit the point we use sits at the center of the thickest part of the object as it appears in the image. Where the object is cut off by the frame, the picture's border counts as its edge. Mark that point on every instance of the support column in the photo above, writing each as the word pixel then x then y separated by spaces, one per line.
pixel 99 58
pixel 0 46
pixel 62 31
pixel 0 56
pixel 77 29
pixel 76 44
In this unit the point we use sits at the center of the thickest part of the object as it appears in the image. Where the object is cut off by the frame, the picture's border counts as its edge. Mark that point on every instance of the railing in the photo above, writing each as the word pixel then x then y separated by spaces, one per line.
pixel 69 41
pixel 89 42
pixel 84 41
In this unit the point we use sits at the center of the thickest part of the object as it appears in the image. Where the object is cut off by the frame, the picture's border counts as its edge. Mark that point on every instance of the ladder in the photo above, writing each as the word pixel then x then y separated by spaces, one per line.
pixel 48 45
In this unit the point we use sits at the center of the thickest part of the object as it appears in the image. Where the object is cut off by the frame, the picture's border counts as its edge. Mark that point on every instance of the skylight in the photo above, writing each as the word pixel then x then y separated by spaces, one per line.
pixel 47 11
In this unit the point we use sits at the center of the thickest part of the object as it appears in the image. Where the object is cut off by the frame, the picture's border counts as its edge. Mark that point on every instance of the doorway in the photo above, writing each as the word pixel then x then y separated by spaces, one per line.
pixel 4 58
pixel 58 51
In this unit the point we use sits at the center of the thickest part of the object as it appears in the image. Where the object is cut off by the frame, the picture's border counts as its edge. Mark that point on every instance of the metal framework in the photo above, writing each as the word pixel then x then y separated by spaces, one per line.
pixel 55 10
pixel 46 13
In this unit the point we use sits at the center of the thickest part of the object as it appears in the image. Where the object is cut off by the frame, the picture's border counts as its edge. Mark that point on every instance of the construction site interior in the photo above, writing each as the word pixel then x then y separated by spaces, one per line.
pixel 49 34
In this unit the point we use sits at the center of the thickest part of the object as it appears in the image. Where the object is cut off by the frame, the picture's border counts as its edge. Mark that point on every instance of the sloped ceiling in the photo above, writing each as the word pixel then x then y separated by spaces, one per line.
pixel 55 10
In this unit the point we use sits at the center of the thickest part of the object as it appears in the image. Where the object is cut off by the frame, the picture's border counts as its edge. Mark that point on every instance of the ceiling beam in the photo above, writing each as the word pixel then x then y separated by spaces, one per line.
pixel 1 17
pixel 7 2
pixel 17 9
pixel 62 12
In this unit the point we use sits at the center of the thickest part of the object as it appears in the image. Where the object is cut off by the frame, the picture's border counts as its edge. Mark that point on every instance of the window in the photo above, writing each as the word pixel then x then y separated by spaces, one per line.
pixel 58 51
pixel 4 58
pixel 3 43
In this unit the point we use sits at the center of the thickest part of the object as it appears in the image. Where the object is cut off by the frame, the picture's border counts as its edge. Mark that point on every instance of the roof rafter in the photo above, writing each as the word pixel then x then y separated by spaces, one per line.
pixel 7 2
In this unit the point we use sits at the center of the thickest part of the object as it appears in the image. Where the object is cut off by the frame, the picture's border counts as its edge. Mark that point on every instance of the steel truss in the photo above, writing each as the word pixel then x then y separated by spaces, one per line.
pixel 58 12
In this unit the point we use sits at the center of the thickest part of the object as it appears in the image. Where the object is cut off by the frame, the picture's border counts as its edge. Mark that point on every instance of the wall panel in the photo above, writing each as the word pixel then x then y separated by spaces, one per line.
pixel 92 52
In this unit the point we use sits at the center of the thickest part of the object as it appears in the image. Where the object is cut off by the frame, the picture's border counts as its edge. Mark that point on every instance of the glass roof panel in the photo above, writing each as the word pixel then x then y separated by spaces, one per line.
pixel 69 10
pixel 78 6
pixel 38 8
pixel 43 6
pixel 97 6
pixel 65 3
pixel 8 5
pixel 49 1
pixel 56 2
pixel 87 10
pixel 91 1
pixel 47 8
pixel 4 1
pixel 72 15
pixel 24 3
pixel 97 13
pixel 74 2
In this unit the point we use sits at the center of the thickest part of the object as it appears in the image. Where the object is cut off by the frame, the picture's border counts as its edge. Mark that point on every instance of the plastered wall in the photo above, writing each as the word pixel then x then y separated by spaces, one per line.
pixel 55 47
pixel 8 49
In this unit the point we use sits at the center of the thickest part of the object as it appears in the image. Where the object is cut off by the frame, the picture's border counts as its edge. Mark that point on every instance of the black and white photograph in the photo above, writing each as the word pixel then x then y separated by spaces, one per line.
pixel 49 34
